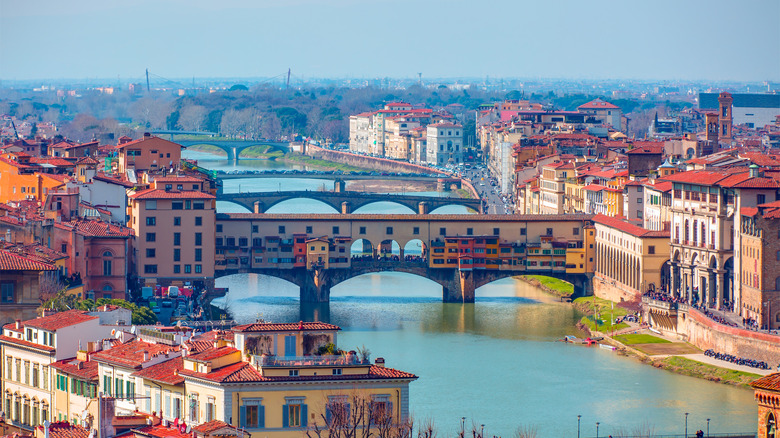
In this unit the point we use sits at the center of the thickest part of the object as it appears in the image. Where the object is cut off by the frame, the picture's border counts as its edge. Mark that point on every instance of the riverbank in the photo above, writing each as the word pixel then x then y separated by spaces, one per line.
pixel 639 343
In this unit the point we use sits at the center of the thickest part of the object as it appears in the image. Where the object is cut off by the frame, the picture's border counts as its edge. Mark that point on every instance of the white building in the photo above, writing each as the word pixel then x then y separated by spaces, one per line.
pixel 445 143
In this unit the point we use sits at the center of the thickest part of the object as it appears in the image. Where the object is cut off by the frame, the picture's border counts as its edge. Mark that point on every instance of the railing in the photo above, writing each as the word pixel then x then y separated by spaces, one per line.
pixel 292 361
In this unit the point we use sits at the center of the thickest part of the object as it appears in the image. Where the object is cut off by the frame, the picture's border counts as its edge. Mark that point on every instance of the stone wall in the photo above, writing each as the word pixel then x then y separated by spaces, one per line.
pixel 382 164
pixel 706 334
pixel 603 288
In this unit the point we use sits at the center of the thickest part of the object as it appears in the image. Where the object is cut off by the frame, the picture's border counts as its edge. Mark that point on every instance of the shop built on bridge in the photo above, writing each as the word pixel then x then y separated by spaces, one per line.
pixel 459 252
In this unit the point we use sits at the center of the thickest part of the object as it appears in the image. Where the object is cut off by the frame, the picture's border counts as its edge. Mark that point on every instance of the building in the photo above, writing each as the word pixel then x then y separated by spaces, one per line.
pixel 274 383
pixel 445 144
pixel 552 186
pixel 604 112
pixel 75 387
pixel 149 154
pixel 767 396
pixel 760 254
pixel 630 260
pixel 20 285
pixel 753 110
pixel 174 224
pixel 29 350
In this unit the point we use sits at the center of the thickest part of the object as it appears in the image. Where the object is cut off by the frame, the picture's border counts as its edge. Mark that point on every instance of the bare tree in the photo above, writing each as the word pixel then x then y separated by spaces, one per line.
pixel 358 416
pixel 191 117
pixel 526 432
pixel 49 285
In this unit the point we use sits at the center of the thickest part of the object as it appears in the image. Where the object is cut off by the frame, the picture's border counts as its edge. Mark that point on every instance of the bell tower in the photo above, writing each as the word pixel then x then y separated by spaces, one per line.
pixel 725 102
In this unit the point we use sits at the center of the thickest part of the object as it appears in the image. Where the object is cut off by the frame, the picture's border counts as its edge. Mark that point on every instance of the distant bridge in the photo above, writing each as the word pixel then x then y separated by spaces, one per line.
pixel 346 202
pixel 233 148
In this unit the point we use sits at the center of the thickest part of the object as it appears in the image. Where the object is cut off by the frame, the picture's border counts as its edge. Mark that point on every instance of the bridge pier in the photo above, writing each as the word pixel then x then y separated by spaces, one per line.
pixel 467 286
pixel 315 287
pixel 346 207
pixel 259 207
pixel 423 208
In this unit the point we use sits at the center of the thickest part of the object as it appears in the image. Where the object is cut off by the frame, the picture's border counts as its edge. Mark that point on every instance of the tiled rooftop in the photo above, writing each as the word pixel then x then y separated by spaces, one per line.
pixel 286 327
pixel 59 320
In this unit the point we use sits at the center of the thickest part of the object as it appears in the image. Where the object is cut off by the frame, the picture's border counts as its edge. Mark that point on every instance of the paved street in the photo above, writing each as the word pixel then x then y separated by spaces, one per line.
pixel 488 189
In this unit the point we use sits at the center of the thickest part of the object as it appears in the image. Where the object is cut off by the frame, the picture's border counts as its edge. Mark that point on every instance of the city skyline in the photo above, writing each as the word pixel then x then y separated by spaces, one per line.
pixel 717 41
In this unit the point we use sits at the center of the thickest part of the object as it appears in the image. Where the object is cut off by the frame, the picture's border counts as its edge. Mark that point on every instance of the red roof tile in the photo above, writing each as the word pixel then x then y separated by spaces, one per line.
pixel 598 104
pixel 700 177
pixel 95 228
pixel 17 262
pixel 166 372
pixel 88 370
pixel 63 429
pixel 59 320
pixel 11 340
pixel 158 431
pixel 244 372
pixel 171 194
pixel 175 179
pixel 211 426
pixel 131 354
pixel 212 354
pixel 284 327
pixel 626 227
pixel 770 382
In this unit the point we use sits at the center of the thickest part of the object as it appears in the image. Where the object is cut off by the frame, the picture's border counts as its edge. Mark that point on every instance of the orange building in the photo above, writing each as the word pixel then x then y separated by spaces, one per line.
pixel 148 154
pixel 20 179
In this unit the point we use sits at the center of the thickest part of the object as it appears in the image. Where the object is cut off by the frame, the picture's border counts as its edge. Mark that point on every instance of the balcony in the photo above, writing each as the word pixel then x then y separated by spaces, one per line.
pixel 271 361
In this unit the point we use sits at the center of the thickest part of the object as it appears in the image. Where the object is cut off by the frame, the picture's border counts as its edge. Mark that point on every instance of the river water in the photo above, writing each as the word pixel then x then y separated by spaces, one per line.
pixel 497 362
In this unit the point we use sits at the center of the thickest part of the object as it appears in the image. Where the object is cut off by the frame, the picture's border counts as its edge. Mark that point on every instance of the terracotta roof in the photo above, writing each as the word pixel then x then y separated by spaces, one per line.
pixel 87 160
pixel 59 320
pixel 158 431
pixel 11 340
pixel 748 211
pixel 244 372
pixel 95 228
pixel 233 373
pixel 212 353
pixel 175 179
pixel 700 177
pixel 626 227
pixel 88 370
pixel 770 382
pixel 598 104
pixel 166 372
pixel 594 188
pixel 131 354
pixel 141 140
pixel 112 179
pixel 284 327
pixel 171 194
pixel 63 429
pixel 17 262
pixel 211 426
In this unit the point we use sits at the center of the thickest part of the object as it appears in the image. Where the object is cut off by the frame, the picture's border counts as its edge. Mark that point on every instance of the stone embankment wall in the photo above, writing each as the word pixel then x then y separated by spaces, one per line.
pixel 706 334
pixel 603 288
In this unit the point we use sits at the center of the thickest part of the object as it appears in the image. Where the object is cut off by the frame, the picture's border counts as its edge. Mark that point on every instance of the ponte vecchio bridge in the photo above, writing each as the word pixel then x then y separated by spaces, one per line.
pixel 459 252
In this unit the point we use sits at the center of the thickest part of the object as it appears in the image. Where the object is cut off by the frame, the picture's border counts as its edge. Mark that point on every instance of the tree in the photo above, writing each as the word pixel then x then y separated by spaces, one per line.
pixel 238 87
pixel 358 416
pixel 192 117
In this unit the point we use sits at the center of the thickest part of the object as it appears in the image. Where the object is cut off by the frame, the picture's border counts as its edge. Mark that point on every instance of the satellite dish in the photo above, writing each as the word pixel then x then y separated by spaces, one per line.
pixel 132 329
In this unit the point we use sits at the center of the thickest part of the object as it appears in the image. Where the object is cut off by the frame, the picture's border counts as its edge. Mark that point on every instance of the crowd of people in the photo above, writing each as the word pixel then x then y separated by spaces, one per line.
pixel 387 257
pixel 737 360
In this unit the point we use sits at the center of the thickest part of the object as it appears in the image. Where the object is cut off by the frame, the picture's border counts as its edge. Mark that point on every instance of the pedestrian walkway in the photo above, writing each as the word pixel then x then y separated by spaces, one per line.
pixel 725 364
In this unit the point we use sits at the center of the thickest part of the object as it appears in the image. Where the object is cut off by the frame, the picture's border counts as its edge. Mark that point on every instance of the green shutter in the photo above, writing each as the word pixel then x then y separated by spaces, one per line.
pixel 285 415
pixel 304 415
pixel 242 416
pixel 261 416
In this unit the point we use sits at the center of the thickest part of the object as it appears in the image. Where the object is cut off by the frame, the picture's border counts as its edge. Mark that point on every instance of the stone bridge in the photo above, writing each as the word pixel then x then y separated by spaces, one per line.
pixel 458 286
pixel 233 148
pixel 346 202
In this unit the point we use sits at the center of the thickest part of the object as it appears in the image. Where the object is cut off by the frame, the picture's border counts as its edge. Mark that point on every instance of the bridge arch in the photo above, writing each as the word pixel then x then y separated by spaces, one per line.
pixel 387 205
pixel 230 206
pixel 312 206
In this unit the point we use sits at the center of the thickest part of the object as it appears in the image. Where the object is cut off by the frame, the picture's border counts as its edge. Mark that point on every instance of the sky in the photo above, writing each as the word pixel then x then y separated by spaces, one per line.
pixel 577 39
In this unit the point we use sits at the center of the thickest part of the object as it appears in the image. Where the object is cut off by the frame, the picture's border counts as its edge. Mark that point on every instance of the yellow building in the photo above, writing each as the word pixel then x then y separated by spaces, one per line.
pixel 75 389
pixel 287 387
pixel 317 252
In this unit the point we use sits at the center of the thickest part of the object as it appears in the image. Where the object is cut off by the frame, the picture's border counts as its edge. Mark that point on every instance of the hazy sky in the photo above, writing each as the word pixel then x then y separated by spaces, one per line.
pixel 592 39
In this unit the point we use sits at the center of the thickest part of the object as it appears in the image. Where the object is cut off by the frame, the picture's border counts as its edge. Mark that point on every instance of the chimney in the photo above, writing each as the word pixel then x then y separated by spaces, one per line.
pixel 380 362
pixel 147 135
pixel 46 425
pixel 753 171
pixel 105 306
pixel 18 324
pixel 146 356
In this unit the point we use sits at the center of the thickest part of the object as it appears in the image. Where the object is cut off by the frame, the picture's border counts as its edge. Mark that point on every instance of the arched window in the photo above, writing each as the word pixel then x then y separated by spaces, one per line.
pixel 107 254
pixel 107 264
pixel 108 288
pixel 777 283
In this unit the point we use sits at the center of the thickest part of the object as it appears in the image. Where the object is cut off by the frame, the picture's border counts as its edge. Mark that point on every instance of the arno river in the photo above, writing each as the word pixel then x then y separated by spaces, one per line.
pixel 497 362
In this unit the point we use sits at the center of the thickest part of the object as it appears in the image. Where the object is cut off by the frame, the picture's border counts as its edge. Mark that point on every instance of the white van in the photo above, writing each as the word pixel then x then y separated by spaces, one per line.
pixel 173 291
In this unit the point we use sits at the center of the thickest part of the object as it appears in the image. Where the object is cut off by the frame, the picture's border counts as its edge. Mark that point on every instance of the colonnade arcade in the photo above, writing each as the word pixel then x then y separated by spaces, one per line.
pixel 620 266
pixel 701 279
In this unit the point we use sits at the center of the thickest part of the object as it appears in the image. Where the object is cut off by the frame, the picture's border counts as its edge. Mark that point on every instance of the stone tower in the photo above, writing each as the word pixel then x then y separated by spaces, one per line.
pixel 724 113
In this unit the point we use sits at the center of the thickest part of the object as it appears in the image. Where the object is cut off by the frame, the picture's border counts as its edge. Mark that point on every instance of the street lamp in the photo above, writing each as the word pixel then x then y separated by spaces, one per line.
pixel 482 431
pixel 708 428
pixel 578 425
pixel 597 429
pixel 463 426
pixel 686 425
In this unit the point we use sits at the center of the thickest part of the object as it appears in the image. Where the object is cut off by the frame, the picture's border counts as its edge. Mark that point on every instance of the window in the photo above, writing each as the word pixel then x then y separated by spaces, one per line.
pixel 151 221
pixel 309 229
pixel 176 254
pixel 177 221
pixel 252 414
pixel 150 269
pixel 151 252
pixel 64 248
pixel 177 269
pixel 575 231
pixel 362 230
pixel 199 239
pixel 294 413
pixel 197 205
pixel 188 269
pixel 389 231
pixel 151 204
pixel 416 230
pixel 151 237
pixel 210 408
pixel 442 231
pixel 219 228
pixel 651 249
pixel 281 229
pixel 337 371
pixel 198 269
pixel 188 204
pixel 198 254
pixel 7 292
pixel 760 199
pixel 549 232
pixel 194 408
pixel 335 231
pixel 199 221
pixel 177 238
pixel 469 231
pixel 176 406
pixel 177 205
